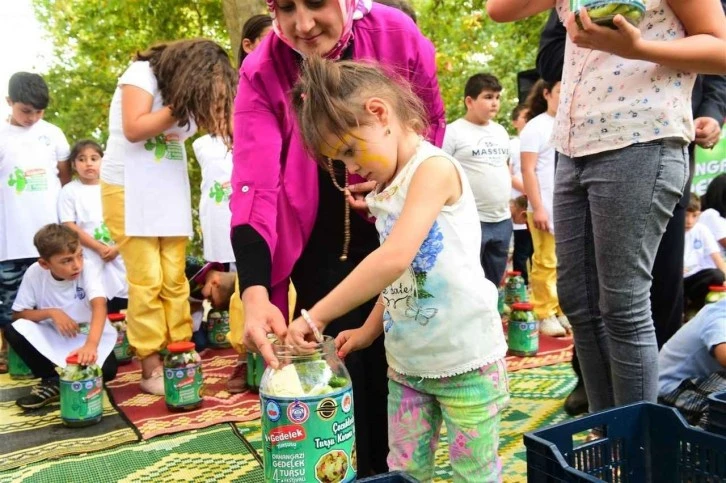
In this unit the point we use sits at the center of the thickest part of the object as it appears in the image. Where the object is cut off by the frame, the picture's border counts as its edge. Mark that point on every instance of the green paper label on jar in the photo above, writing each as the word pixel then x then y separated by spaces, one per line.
pixel 217 328
pixel 17 368
pixel 183 385
pixel 309 439
pixel 81 400
pixel 515 290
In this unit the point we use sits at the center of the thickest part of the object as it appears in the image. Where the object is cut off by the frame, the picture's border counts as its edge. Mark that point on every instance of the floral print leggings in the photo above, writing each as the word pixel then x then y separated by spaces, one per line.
pixel 470 405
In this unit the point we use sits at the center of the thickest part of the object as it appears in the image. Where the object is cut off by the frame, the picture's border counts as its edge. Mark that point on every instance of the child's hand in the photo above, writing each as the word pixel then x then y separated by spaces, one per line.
pixel 65 325
pixel 356 195
pixel 300 336
pixel 624 42
pixel 87 355
pixel 109 254
pixel 352 340
pixel 541 219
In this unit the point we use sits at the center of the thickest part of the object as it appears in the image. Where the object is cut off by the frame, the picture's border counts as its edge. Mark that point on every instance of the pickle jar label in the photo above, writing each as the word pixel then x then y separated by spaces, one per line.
pixel 183 385
pixel 122 350
pixel 81 400
pixel 217 328
pixel 309 439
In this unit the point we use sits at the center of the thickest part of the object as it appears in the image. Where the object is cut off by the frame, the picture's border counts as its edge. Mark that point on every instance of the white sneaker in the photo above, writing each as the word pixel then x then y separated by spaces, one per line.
pixel 565 323
pixel 551 326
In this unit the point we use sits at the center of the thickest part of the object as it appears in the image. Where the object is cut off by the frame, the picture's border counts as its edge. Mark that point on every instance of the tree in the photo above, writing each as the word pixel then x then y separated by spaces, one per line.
pixel 236 13
pixel 467 42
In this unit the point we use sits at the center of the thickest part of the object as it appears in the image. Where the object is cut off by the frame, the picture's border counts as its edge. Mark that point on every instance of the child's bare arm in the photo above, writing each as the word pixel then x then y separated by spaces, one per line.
pixel 64 172
pixel 511 10
pixel 719 353
pixel 65 325
pixel 88 353
pixel 138 121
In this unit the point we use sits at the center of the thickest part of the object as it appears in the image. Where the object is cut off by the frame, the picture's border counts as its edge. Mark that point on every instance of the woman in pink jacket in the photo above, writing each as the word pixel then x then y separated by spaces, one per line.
pixel 290 218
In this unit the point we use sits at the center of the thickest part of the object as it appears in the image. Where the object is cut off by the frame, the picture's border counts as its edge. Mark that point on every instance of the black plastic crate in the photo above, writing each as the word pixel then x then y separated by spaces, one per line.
pixel 392 477
pixel 717 412
pixel 641 443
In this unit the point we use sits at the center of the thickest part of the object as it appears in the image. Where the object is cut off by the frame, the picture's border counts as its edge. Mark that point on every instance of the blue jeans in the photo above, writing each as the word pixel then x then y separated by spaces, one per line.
pixel 495 238
pixel 610 212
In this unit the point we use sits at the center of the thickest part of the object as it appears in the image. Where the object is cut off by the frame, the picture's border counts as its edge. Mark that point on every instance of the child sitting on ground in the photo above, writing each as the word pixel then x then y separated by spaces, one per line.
pixel 693 363
pixel 57 297
pixel 702 262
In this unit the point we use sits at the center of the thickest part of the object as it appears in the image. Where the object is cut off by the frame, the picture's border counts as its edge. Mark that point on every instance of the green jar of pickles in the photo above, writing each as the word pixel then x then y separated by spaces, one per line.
pixel 218 328
pixel 17 368
pixel 715 294
pixel 308 427
pixel 515 290
pixel 523 331
pixel 81 393
pixel 183 383
pixel 122 349
pixel 602 12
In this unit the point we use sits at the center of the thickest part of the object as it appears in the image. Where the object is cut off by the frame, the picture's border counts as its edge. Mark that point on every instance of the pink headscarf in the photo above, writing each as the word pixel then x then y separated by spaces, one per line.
pixel 351 10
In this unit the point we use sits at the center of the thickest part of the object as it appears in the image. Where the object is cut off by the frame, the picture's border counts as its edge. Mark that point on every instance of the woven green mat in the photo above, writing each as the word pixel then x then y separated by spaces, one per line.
pixel 220 454
pixel 206 455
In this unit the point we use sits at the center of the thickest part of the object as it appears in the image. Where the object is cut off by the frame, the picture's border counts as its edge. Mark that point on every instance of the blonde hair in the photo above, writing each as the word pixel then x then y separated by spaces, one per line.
pixel 329 98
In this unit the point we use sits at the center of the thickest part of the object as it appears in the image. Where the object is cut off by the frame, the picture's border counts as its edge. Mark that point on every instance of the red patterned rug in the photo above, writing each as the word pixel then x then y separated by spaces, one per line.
pixel 150 416
pixel 552 350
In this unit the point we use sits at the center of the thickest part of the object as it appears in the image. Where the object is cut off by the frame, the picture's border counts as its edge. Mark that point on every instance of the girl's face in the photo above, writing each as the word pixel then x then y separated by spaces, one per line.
pixel 553 98
pixel 313 26
pixel 88 165
pixel 370 151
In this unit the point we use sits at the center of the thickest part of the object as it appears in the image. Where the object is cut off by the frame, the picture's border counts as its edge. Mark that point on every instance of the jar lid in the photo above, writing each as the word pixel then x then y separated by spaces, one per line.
pixel 514 273
pixel 183 346
pixel 72 359
pixel 717 288
pixel 524 306
pixel 116 317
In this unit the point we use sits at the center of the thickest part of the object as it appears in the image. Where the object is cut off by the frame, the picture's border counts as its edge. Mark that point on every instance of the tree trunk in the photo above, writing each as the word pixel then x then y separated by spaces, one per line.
pixel 236 13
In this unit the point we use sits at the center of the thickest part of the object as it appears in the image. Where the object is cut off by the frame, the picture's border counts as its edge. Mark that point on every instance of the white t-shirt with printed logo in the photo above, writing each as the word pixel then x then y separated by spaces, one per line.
pixel 700 246
pixel 81 204
pixel 535 138
pixel 483 152
pixel 215 217
pixel 29 184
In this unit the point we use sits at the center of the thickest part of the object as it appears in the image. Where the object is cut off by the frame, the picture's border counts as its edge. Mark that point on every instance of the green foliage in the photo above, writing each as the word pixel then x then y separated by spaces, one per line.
pixel 468 42
pixel 94 42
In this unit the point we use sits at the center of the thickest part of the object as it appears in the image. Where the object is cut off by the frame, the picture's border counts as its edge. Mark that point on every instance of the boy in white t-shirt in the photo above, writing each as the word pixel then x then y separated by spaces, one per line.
pixel 482 147
pixel 33 166
pixel 60 311
pixel 702 262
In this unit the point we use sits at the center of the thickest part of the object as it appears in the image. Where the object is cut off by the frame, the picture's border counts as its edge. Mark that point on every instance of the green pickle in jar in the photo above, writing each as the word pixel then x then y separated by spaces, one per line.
pixel 81 393
pixel 602 12
pixel 308 427
pixel 183 383
pixel 218 328
pixel 715 294
pixel 523 331
pixel 122 349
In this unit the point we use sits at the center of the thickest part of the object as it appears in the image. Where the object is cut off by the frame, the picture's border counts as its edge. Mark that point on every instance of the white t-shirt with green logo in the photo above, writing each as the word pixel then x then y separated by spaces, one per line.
pixel 29 184
pixel 81 204
pixel 215 217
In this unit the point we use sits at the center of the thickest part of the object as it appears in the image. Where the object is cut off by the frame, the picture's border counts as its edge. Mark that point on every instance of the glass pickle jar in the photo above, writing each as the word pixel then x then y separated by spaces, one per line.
pixel 602 12
pixel 122 349
pixel 515 290
pixel 81 393
pixel 17 368
pixel 715 294
pixel 183 382
pixel 523 331
pixel 307 417
pixel 217 328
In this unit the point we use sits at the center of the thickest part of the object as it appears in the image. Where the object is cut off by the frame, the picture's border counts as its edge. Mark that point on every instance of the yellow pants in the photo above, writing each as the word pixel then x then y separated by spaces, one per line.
pixel 158 311
pixel 237 317
pixel 543 276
